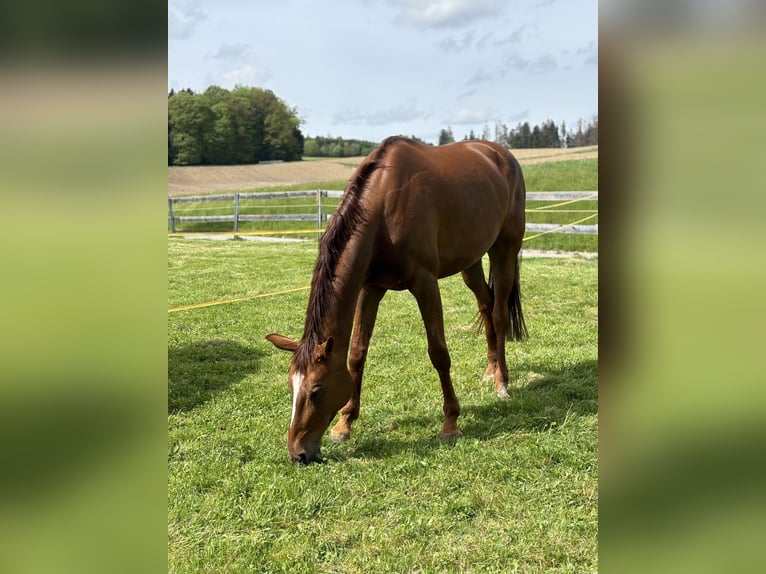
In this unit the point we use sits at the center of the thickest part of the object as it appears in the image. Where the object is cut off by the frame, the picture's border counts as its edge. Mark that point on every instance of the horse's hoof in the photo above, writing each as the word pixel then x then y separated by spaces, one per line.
pixel 503 394
pixel 487 378
pixel 450 435
pixel 338 437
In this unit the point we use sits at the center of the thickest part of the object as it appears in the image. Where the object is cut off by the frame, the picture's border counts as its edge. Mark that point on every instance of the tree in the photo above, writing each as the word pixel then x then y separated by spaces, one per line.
pixel 311 148
pixel 549 135
pixel 189 119
pixel 501 134
pixel 248 131
pixel 485 133
pixel 420 141
pixel 591 134
pixel 219 145
pixel 219 126
pixel 446 136
pixel 351 149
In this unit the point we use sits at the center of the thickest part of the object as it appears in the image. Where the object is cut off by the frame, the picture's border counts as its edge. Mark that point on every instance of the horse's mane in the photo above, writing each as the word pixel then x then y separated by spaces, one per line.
pixel 347 218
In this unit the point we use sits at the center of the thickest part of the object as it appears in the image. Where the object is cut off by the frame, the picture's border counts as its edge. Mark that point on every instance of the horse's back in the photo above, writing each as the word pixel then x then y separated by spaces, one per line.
pixel 447 205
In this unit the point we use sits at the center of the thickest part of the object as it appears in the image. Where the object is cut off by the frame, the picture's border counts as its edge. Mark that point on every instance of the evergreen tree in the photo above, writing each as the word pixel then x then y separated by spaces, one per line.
pixel 549 135
pixel 501 134
pixel 446 136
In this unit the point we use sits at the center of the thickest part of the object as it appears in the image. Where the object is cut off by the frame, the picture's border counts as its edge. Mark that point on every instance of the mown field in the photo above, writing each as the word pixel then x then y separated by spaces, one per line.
pixel 517 493
pixel 196 180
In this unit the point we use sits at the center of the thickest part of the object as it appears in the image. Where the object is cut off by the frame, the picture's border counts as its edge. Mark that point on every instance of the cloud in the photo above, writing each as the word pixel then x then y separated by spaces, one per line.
pixel 401 113
pixel 518 116
pixel 232 53
pixel 588 54
pixel 468 41
pixel 246 75
pixel 481 76
pixel 515 36
pixel 445 13
pixel 542 64
pixel 466 117
pixel 183 18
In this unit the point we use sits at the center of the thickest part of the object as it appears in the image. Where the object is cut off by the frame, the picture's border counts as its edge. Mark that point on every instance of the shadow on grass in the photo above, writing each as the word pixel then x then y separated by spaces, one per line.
pixel 538 406
pixel 197 371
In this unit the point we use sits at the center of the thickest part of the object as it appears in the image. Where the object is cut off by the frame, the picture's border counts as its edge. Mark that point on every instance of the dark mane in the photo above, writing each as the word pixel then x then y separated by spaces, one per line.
pixel 345 221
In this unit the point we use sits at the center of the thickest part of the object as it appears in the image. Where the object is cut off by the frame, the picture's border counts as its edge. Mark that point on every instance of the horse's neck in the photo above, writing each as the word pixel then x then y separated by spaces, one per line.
pixel 347 284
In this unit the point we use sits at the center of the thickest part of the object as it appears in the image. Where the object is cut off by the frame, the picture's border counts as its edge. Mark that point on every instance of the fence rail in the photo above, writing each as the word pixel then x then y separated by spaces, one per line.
pixel 320 217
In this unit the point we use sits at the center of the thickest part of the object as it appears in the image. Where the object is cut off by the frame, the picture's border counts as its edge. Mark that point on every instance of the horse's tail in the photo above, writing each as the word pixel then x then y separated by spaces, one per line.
pixel 518 328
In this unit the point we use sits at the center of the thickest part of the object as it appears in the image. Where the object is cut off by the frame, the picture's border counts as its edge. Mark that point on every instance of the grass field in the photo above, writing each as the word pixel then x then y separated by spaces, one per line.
pixel 518 493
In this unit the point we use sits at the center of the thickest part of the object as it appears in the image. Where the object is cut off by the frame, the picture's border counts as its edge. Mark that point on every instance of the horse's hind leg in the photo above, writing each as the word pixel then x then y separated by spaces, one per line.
pixel 473 277
pixel 503 274
pixel 426 291
pixel 364 322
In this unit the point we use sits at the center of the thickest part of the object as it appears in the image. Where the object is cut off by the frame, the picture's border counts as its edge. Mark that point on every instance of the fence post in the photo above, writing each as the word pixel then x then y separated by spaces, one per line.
pixel 172 217
pixel 236 212
pixel 319 215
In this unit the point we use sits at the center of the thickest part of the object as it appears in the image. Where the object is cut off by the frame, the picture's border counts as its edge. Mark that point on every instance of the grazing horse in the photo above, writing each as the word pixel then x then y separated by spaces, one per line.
pixel 410 215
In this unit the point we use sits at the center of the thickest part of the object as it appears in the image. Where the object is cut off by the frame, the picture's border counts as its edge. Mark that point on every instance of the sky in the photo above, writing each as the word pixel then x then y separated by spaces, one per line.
pixel 367 69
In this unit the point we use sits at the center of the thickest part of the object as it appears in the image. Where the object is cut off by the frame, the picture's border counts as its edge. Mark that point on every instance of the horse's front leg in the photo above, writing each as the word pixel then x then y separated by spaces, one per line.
pixel 364 323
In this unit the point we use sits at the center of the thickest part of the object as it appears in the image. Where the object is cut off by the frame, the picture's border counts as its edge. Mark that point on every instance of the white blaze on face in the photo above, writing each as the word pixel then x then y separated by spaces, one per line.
pixel 297 388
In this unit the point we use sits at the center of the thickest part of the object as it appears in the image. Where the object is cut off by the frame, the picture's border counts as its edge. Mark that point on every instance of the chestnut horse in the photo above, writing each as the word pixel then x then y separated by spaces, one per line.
pixel 410 215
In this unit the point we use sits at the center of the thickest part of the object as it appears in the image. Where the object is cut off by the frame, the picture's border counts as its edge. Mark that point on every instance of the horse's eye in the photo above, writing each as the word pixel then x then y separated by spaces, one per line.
pixel 316 392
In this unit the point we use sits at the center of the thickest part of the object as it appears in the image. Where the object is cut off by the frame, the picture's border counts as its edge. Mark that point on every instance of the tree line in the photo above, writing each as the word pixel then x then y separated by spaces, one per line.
pixel 547 135
pixel 248 125
pixel 329 146
pixel 239 126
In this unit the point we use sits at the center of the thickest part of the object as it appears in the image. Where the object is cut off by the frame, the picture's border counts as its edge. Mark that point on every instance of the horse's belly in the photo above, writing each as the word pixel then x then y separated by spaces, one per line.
pixel 453 265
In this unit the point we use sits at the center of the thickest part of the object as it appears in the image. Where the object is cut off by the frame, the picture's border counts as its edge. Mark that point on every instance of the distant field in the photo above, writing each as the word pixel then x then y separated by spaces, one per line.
pixel 191 180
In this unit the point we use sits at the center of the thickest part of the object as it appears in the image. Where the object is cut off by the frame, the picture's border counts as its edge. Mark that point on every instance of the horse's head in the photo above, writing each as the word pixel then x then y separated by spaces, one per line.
pixel 321 385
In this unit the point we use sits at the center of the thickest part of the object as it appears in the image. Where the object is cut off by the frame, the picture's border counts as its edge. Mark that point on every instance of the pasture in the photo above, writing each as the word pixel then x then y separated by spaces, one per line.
pixel 558 173
pixel 517 493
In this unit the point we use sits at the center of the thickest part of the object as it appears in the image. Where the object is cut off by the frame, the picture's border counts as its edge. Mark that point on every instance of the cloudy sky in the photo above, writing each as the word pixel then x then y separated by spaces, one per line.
pixel 367 69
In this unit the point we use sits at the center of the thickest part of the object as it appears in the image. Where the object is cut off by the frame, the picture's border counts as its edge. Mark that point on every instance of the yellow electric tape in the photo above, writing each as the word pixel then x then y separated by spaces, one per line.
pixel 286 232
pixel 260 295
pixel 546 207
pixel 235 299
pixel 561 227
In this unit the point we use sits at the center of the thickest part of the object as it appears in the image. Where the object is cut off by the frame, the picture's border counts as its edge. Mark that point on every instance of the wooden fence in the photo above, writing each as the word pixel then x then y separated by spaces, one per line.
pixel 320 217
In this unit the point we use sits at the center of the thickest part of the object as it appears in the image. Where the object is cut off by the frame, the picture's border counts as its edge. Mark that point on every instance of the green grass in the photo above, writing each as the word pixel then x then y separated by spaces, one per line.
pixel 261 207
pixel 569 175
pixel 517 493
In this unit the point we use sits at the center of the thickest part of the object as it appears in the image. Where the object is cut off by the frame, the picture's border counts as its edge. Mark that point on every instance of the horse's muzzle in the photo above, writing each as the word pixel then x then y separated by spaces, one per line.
pixel 306 456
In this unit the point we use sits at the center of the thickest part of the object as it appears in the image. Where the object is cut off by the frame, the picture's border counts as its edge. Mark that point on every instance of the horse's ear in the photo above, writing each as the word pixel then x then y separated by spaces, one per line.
pixel 322 350
pixel 282 342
